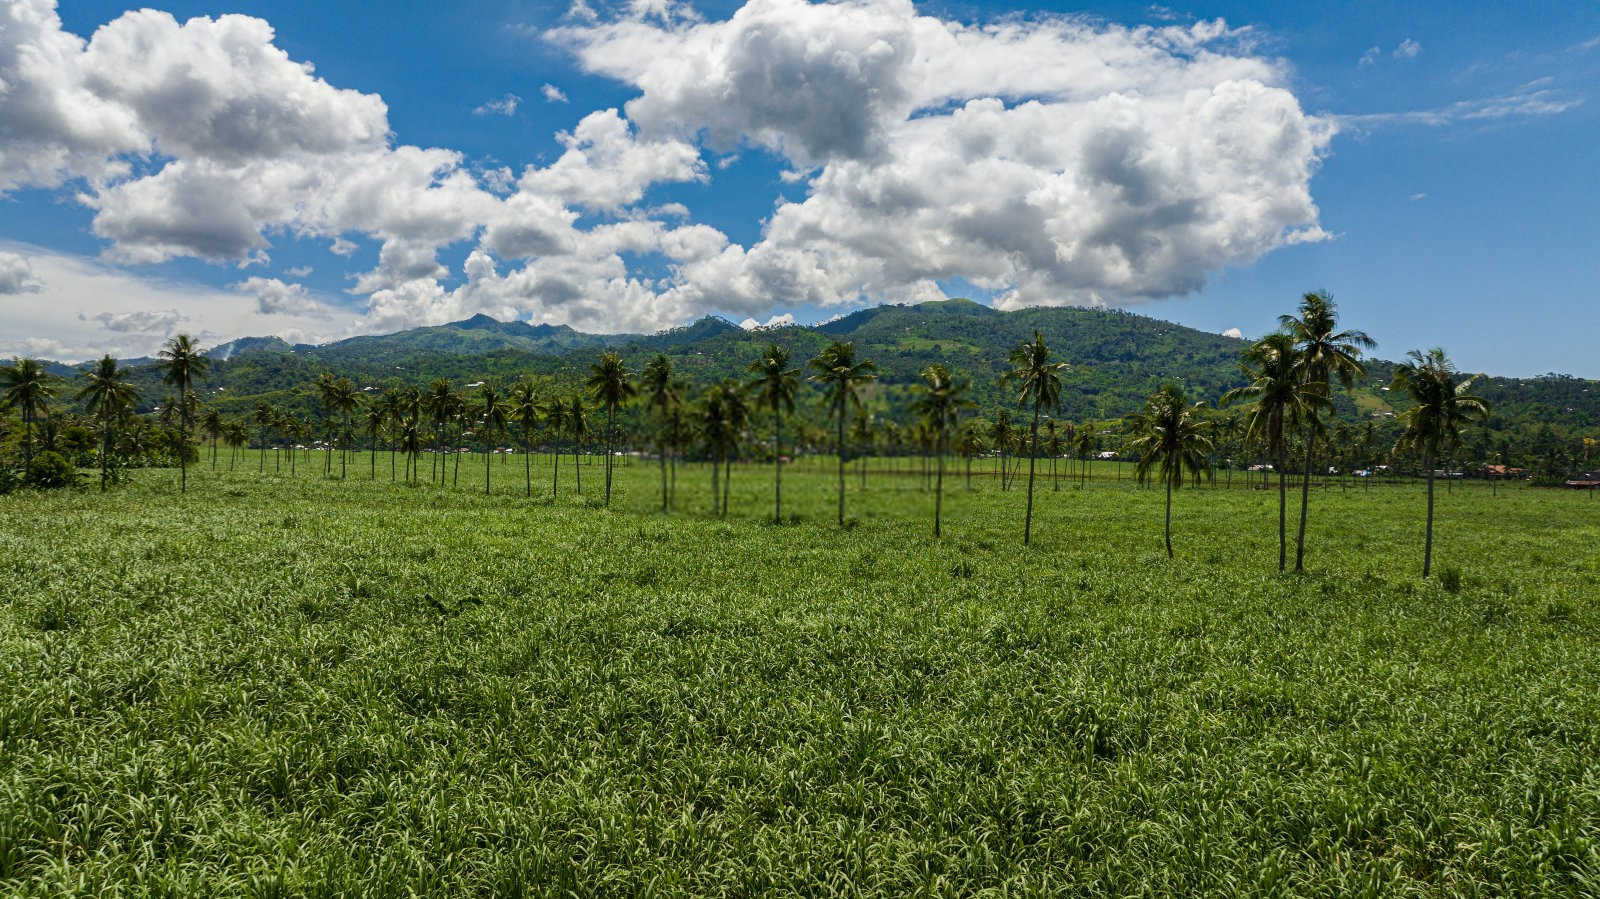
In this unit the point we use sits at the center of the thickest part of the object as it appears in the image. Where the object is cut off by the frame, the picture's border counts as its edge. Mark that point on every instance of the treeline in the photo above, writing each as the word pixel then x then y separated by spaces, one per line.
pixel 1283 415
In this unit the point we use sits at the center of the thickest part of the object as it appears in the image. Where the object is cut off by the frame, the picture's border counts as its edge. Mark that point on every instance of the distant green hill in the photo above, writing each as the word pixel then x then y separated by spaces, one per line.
pixel 1117 359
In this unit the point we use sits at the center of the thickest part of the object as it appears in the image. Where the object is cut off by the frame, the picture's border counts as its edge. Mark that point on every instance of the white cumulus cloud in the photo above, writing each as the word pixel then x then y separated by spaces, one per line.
pixel 504 105
pixel 1046 159
pixel 16 275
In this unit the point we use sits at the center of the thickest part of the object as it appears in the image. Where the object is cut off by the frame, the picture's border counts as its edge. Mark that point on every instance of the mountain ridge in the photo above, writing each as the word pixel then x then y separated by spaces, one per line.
pixel 1117 358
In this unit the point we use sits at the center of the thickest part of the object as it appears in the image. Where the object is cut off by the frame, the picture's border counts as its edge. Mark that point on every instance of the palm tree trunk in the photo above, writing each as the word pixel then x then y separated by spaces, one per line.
pixel 969 472
pixel 105 453
pixel 1169 515
pixel 183 442
pixel 716 485
pixel 1305 500
pixel 1283 499
pixel 555 470
pixel 1427 544
pixel 777 465
pixel 727 483
pixel 661 452
pixel 527 462
pixel 1033 455
pixel 577 469
pixel 488 457
pixel 611 418
pixel 938 492
pixel 840 416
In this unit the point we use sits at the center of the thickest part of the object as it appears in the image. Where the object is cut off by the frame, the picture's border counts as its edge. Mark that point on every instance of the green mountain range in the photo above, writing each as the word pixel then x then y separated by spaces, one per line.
pixel 1117 359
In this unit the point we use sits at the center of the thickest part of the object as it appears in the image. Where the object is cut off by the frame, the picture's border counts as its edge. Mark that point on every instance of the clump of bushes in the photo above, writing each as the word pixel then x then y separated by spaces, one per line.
pixel 50 470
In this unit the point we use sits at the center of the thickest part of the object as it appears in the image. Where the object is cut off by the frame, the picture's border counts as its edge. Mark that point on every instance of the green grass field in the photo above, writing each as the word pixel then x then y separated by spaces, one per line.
pixel 288 687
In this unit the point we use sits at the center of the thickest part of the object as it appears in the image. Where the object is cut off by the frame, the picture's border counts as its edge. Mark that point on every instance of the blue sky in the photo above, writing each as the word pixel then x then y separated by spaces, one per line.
pixel 1434 167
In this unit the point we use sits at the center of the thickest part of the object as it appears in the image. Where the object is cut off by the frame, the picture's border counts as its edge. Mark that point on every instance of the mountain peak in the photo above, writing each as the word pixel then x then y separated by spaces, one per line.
pixel 479 321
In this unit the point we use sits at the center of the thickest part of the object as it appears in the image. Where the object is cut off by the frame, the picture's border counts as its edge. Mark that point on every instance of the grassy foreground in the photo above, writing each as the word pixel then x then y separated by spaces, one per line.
pixel 285 687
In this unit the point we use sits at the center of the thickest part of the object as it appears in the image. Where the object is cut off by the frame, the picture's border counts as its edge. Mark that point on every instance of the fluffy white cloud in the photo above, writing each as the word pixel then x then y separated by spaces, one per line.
pixel 89 308
pixel 505 105
pixel 1054 160
pixel 1235 333
pixel 16 275
pixel 777 321
pixel 1408 49
pixel 275 297
pixel 141 321
pixel 1050 159
pixel 553 94
pixel 605 166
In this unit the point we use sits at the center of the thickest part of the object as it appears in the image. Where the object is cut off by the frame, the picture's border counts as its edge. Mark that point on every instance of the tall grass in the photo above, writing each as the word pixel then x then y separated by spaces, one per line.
pixel 283 687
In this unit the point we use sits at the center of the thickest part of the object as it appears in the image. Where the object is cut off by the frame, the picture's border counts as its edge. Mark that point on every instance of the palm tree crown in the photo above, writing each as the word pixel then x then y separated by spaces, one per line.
pixel 836 369
pixel 182 364
pixel 1432 426
pixel 938 403
pixel 775 384
pixel 1040 381
pixel 1172 436
pixel 611 384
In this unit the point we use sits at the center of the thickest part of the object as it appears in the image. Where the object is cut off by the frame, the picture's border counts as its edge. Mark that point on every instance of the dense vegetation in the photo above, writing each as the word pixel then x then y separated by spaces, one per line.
pixel 1117 360
pixel 733 663
pixel 276 685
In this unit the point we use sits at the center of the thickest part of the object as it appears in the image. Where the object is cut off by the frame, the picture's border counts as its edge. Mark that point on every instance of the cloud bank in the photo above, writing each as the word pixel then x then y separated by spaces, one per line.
pixel 1048 160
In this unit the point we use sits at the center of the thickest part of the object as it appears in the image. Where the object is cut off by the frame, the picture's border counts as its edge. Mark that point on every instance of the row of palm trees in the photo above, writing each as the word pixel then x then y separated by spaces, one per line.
pixel 1289 375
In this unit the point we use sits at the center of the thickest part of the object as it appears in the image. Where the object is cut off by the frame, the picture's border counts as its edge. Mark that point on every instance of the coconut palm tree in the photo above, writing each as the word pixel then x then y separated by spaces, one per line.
pixel 525 410
pixel 375 420
pixel 938 403
pixel 736 409
pixel 716 434
pixel 1084 443
pixel 412 441
pixel 1279 400
pixel 211 424
pixel 1000 435
pixel 1052 448
pixel 327 387
pixel 492 412
pixel 107 396
pixel 440 404
pixel 1442 406
pixel 237 436
pixel 347 400
pixel 677 427
pixel 970 445
pixel 775 385
pixel 181 364
pixel 28 388
pixel 1228 430
pixel 265 417
pixel 864 439
pixel 1039 380
pixel 1325 352
pixel 555 419
pixel 611 385
pixel 660 396
pixel 579 429
pixel 1173 436
pixel 841 377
